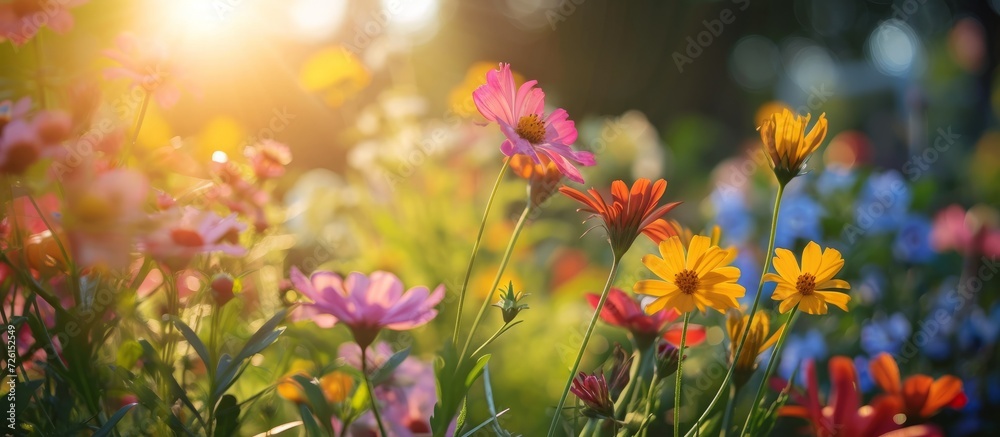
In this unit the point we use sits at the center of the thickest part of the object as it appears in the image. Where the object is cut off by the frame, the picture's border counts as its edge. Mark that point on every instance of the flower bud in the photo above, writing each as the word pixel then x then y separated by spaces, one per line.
pixel 667 357
pixel 224 287
pixel 508 303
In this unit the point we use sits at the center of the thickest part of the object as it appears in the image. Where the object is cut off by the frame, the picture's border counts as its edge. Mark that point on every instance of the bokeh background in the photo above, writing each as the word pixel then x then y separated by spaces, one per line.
pixel 391 169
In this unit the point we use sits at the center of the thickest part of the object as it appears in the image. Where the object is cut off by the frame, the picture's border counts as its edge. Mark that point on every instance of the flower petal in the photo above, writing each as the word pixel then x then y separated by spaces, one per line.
pixel 698 246
pixel 812 256
pixel 943 392
pixel 835 298
pixel 653 287
pixel 786 265
pixel 885 372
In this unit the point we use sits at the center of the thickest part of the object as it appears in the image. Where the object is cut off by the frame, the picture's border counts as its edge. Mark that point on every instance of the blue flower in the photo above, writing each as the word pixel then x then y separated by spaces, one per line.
pixel 883 202
pixel 732 214
pixel 871 287
pixel 913 241
pixel 885 334
pixel 979 329
pixel 833 179
pixel 798 349
pixel 799 218
pixel 864 373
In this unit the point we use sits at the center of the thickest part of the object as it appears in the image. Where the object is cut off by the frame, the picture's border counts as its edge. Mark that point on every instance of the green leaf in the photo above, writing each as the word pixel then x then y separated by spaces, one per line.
pixel 476 371
pixel 227 417
pixel 453 383
pixel 225 375
pixel 462 414
pixel 192 338
pixel 113 421
pixel 770 417
pixel 488 389
pixel 308 421
pixel 360 401
pixel 166 373
pixel 316 399
pixel 383 373
pixel 478 427
pixel 263 338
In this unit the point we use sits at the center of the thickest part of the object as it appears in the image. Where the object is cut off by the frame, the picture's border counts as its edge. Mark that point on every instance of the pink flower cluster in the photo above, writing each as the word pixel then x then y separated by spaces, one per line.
pixel 20 20
pixel 24 139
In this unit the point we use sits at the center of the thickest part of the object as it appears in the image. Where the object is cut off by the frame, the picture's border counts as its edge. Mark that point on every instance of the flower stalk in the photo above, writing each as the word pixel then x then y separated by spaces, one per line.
pixel 677 386
pixel 775 357
pixel 557 415
pixel 753 310
pixel 475 252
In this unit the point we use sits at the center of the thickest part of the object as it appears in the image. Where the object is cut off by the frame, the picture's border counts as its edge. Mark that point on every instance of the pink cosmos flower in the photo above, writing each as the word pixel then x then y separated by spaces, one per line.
pixel 623 311
pixel 958 230
pixel 103 214
pixel 366 304
pixel 407 396
pixel 520 113
pixel 182 234
pixel 20 20
pixel 269 159
pixel 147 64
pixel 19 147
pixel 239 195
pixel 24 140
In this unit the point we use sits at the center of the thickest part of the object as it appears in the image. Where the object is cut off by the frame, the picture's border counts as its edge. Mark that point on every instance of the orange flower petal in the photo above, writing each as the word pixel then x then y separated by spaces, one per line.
pixel 916 389
pixel 885 372
pixel 942 392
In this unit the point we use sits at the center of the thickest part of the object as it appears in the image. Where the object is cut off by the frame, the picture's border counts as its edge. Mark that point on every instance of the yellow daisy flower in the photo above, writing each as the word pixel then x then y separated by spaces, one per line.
pixel 699 279
pixel 812 287
pixel 758 341
pixel 787 144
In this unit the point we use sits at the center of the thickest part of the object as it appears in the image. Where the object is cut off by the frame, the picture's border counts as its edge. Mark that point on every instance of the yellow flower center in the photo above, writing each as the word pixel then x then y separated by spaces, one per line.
pixel 687 281
pixel 806 285
pixel 93 209
pixel 531 128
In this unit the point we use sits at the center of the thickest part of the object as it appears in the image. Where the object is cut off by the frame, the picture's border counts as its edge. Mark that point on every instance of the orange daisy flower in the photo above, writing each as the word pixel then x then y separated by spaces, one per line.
pixel 630 212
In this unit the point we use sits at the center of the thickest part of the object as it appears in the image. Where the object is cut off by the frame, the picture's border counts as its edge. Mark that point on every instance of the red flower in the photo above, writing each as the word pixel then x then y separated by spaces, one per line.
pixel 623 311
pixel 921 395
pixel 845 416
pixel 592 390
pixel 629 213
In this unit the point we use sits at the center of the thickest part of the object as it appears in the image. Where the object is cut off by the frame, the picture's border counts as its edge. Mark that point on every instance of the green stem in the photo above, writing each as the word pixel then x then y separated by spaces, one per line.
pixel 475 251
pixel 502 329
pixel 727 418
pixel 135 132
pixel 496 280
pixel 70 264
pixel 753 309
pixel 639 369
pixel 371 391
pixel 212 356
pixel 649 400
pixel 677 385
pixel 775 357
pixel 557 415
